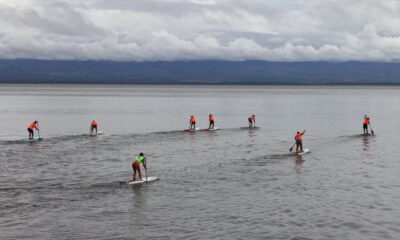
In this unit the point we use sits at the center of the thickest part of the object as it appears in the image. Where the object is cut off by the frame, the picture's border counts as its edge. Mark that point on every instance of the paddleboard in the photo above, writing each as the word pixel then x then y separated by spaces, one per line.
pixel 94 134
pixel 32 139
pixel 149 179
pixel 249 127
pixel 192 130
pixel 211 129
pixel 367 135
pixel 305 151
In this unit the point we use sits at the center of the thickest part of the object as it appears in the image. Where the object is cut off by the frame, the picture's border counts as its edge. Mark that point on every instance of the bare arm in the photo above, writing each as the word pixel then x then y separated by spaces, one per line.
pixel 144 163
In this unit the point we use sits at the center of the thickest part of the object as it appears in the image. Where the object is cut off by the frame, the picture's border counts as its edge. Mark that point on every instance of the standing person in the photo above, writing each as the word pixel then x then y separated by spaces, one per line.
pixel 299 141
pixel 31 127
pixel 211 120
pixel 366 123
pixel 93 126
pixel 252 121
pixel 136 165
pixel 192 123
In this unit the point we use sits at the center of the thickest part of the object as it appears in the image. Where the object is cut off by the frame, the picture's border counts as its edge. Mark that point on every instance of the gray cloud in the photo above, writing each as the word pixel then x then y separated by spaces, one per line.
pixel 143 30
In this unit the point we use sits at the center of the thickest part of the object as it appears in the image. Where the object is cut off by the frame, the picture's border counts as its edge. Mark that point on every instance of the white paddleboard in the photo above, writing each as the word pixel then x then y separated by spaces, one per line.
pixel 32 139
pixel 149 179
pixel 211 129
pixel 94 134
pixel 305 151
pixel 192 130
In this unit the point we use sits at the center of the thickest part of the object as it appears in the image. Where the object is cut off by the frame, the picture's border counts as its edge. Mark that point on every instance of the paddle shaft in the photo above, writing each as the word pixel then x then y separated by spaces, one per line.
pixel 372 131
pixel 38 130
pixel 292 147
pixel 146 169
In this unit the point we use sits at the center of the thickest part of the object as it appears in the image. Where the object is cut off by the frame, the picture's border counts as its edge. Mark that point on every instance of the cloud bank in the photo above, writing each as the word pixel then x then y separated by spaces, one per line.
pixel 153 30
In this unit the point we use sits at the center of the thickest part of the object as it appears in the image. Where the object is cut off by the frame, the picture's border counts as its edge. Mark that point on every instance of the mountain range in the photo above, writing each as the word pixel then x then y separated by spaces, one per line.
pixel 198 72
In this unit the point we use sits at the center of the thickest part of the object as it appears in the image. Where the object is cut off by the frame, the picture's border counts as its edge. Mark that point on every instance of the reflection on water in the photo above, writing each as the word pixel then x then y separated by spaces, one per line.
pixel 299 163
pixel 365 140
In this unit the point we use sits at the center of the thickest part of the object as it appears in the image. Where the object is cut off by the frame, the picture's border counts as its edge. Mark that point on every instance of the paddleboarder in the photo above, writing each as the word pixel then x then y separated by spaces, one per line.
pixel 192 123
pixel 299 141
pixel 211 120
pixel 366 123
pixel 93 126
pixel 136 166
pixel 31 127
pixel 252 121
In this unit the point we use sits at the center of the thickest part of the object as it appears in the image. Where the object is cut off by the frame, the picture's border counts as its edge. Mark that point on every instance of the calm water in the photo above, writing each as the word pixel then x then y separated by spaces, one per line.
pixel 230 184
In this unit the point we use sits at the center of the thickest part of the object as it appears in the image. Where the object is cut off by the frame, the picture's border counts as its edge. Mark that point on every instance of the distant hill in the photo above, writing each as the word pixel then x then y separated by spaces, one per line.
pixel 199 72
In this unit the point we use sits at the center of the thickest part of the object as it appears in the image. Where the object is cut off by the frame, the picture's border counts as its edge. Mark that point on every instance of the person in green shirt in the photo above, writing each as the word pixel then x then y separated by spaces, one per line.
pixel 136 166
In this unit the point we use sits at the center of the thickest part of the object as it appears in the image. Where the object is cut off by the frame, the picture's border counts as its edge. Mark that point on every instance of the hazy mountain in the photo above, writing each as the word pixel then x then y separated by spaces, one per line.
pixel 199 72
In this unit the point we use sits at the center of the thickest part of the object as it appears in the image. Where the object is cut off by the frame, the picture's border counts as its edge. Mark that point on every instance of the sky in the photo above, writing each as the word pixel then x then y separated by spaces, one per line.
pixel 170 30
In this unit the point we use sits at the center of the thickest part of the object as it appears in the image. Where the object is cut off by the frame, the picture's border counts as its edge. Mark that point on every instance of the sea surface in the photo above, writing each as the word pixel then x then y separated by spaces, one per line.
pixel 234 183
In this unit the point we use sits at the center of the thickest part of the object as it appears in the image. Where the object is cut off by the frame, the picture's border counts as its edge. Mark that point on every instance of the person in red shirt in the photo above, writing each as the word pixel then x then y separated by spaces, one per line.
pixel 366 123
pixel 299 141
pixel 211 120
pixel 192 122
pixel 31 127
pixel 93 126
pixel 252 121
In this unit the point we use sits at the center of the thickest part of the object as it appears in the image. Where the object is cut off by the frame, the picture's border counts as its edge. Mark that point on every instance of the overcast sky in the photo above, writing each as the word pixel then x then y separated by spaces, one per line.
pixel 149 30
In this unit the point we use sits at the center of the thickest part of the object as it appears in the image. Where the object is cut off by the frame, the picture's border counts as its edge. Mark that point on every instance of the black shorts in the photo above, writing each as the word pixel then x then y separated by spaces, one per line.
pixel 298 142
pixel 30 130
pixel 250 121
pixel 212 122
pixel 365 126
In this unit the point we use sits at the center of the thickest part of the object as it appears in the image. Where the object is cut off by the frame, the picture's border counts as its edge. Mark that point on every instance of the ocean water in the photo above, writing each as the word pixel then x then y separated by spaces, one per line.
pixel 234 183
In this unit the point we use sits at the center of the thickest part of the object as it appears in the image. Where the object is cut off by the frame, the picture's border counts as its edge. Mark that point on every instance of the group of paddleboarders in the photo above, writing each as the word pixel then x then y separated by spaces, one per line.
pixel 192 121
pixel 141 159
pixel 35 125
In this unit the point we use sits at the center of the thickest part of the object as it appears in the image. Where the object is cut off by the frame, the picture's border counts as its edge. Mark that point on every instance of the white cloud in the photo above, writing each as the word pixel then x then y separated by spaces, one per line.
pixel 143 30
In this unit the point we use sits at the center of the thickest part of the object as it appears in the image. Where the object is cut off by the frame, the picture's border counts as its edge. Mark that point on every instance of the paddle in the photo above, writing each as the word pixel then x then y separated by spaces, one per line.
pixel 372 131
pixel 38 130
pixel 146 168
pixel 292 147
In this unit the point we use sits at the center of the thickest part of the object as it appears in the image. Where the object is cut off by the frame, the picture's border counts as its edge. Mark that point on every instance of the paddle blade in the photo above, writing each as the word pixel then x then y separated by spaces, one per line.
pixel 372 131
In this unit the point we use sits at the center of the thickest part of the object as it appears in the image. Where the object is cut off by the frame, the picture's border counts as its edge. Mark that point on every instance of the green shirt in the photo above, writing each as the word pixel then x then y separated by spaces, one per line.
pixel 139 159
